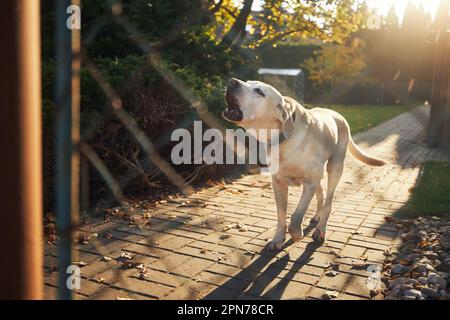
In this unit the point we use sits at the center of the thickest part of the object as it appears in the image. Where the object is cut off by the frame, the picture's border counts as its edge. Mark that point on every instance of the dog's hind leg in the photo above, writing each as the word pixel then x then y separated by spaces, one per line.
pixel 295 226
pixel 335 167
pixel 281 198
pixel 319 197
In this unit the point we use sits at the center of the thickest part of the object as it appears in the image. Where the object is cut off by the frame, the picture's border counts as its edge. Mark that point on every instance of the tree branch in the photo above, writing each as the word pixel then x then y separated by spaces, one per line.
pixel 237 32
pixel 217 7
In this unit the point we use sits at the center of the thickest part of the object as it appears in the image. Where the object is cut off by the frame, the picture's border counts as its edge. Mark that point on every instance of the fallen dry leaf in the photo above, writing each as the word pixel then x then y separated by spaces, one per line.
pixel 358 264
pixel 143 271
pixel 242 227
pixel 127 255
pixel 333 252
pixel 216 205
pixel 147 215
pixel 331 273
pixel 250 253
pixel 389 219
pixel 387 252
pixel 332 265
pixel 330 294
pixel 107 235
pixel 227 227
pixel 83 238
pixel 224 236
pixel 364 256
pixel 137 220
pixel 423 243
pixel 193 203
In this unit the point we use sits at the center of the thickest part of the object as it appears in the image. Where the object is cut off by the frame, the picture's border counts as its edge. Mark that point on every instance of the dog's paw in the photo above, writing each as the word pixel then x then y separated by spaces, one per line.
pixel 318 236
pixel 273 245
pixel 296 233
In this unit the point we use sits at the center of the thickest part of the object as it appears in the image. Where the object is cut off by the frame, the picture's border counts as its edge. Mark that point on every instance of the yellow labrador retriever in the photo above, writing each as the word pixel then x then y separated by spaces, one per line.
pixel 309 140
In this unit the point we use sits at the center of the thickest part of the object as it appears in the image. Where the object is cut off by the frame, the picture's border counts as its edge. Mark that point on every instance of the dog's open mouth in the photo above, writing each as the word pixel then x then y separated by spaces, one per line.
pixel 232 114
pixel 233 111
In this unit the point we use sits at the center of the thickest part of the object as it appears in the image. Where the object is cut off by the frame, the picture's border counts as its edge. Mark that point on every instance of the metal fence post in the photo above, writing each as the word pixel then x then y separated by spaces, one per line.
pixel 67 97
pixel 21 270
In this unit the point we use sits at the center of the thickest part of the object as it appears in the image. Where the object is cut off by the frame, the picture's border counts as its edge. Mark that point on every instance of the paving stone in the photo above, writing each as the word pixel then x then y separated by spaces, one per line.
pixel 352 251
pixel 191 291
pixel 287 290
pixel 233 283
pixel 192 267
pixel 170 262
pixel 129 281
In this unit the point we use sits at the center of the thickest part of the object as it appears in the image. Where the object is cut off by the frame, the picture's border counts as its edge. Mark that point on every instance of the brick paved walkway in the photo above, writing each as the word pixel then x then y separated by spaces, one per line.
pixel 186 252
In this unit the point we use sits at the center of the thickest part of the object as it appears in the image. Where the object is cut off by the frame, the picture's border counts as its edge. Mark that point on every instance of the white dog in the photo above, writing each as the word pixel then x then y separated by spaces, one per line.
pixel 310 140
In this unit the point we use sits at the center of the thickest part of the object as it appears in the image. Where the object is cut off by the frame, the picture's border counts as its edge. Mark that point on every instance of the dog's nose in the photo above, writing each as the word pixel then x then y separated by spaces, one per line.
pixel 233 83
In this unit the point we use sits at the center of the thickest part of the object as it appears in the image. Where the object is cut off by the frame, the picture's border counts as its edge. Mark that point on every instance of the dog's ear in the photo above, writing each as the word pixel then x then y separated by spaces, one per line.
pixel 285 113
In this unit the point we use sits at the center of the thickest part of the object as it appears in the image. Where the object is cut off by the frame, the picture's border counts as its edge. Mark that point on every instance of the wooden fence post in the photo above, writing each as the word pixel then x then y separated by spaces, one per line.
pixel 21 245
pixel 440 97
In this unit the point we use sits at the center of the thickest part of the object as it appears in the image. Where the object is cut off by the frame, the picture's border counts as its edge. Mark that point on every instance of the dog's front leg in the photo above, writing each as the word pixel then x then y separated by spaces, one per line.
pixel 281 196
pixel 295 227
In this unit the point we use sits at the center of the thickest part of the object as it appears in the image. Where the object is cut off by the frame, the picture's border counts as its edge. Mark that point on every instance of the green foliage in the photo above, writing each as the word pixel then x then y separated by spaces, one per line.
pixel 155 20
pixel 205 57
pixel 326 20
pixel 285 55
pixel 337 65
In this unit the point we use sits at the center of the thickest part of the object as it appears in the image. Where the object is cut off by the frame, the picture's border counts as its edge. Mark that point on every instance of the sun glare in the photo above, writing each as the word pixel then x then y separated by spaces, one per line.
pixel 383 6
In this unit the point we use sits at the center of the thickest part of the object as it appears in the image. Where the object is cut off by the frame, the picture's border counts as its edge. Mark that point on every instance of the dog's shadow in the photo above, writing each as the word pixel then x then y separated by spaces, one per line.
pixel 252 283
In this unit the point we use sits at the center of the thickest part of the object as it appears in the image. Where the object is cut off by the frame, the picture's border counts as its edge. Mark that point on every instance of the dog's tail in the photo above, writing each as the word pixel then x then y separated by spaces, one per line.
pixel 364 157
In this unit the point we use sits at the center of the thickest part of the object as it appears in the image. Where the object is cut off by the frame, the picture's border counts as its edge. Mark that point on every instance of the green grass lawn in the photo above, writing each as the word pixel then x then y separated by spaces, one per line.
pixel 431 195
pixel 363 117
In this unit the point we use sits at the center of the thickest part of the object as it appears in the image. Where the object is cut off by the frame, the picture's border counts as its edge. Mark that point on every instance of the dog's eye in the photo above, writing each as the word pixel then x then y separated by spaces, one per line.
pixel 259 91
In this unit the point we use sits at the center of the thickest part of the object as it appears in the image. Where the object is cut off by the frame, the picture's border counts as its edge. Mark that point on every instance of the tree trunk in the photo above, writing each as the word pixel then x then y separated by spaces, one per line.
pixel 237 32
